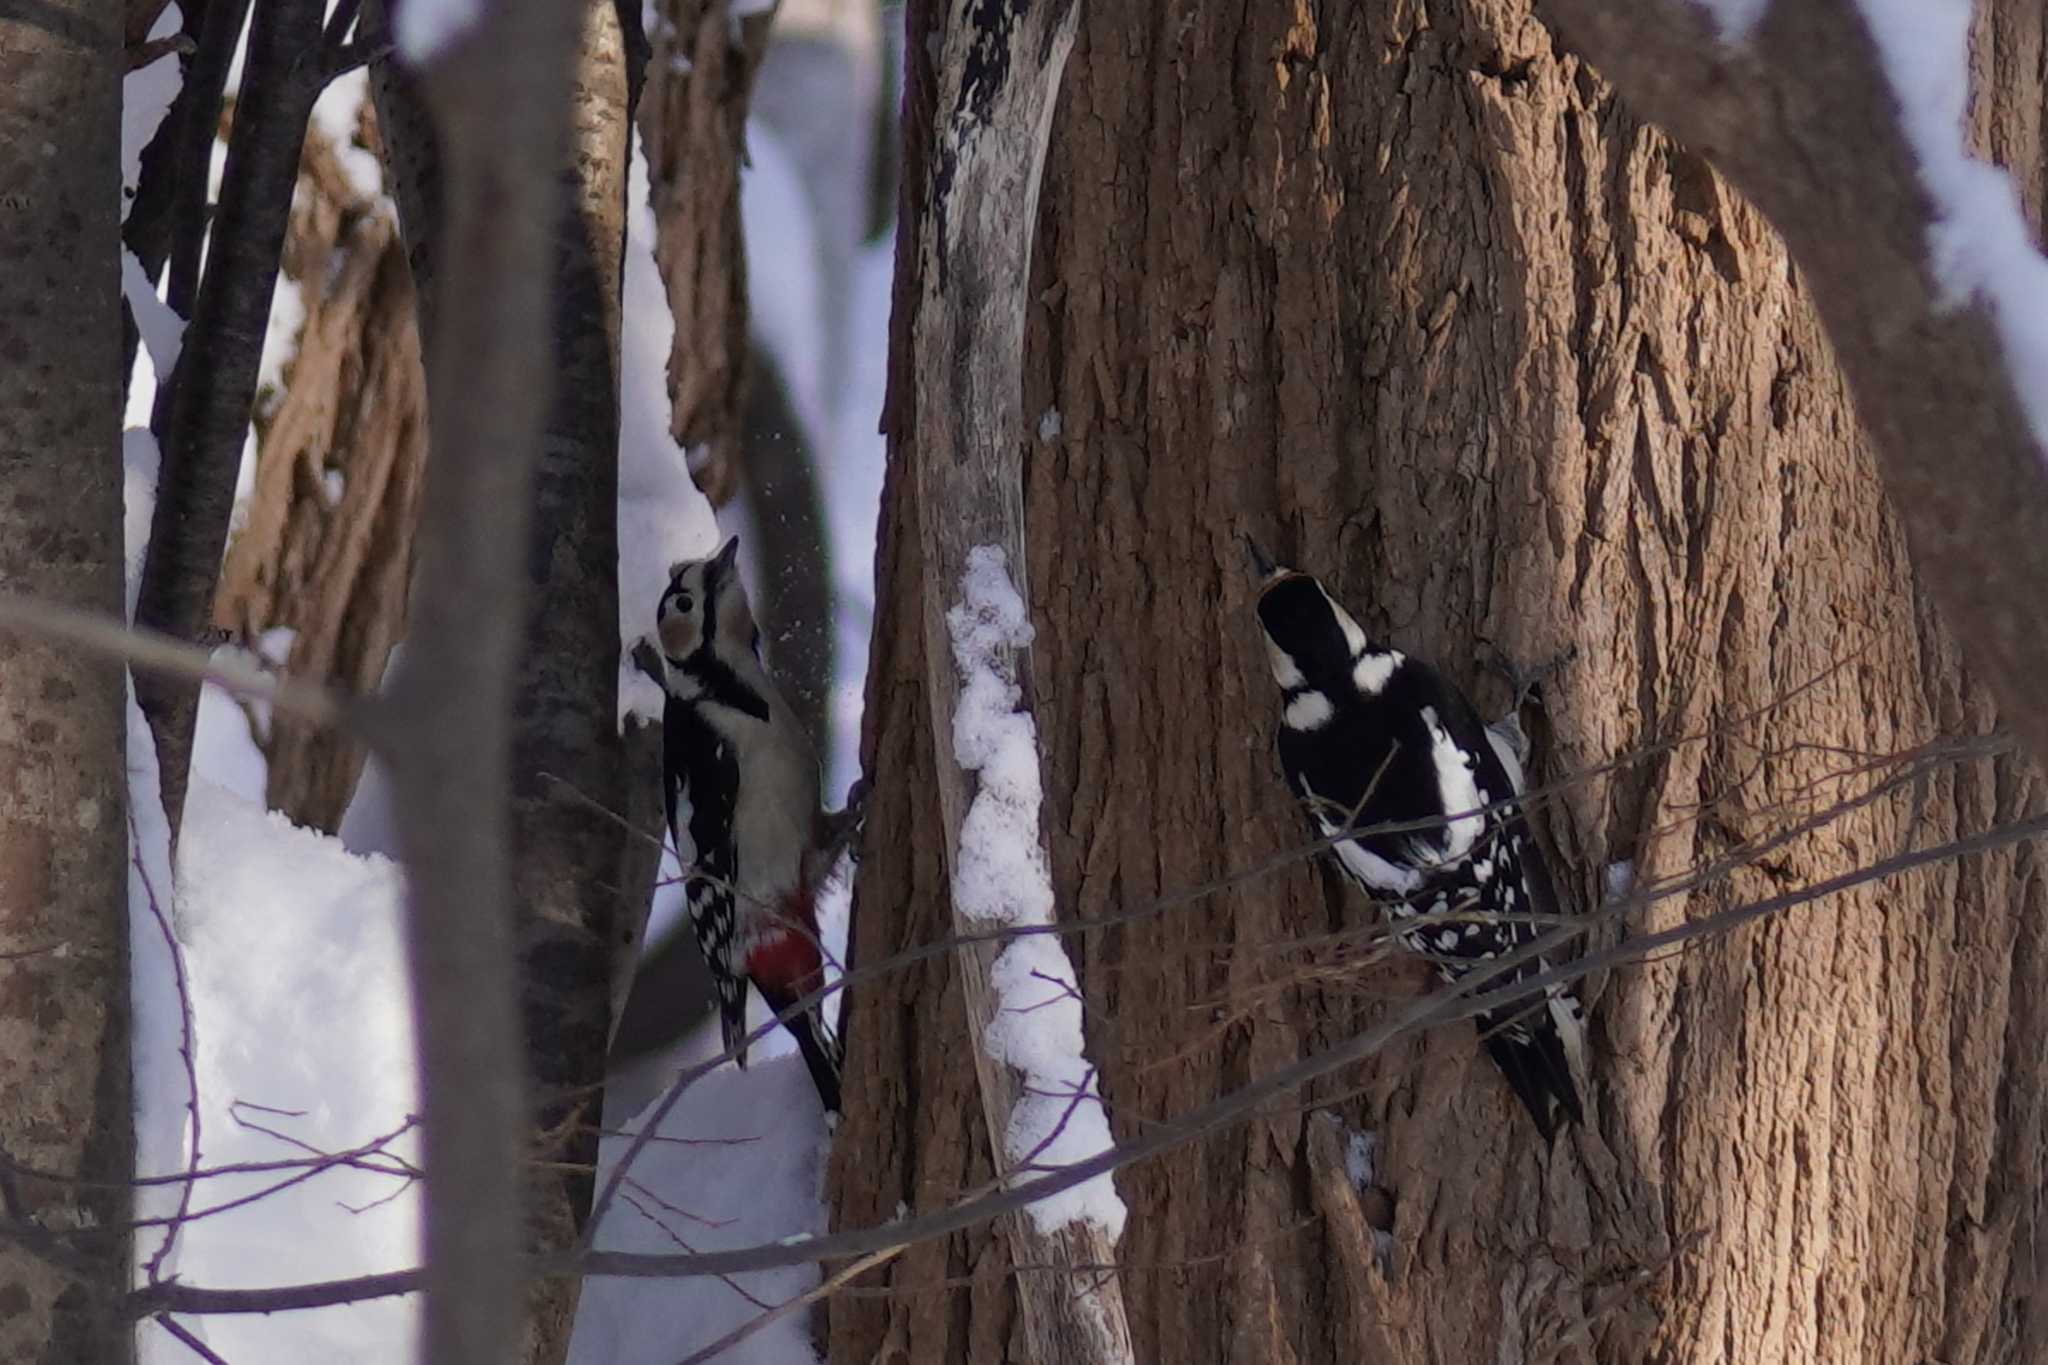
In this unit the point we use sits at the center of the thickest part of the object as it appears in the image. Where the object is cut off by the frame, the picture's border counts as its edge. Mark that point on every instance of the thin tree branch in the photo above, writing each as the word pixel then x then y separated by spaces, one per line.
pixel 151 652
pixel 190 1341
pixel 1445 1005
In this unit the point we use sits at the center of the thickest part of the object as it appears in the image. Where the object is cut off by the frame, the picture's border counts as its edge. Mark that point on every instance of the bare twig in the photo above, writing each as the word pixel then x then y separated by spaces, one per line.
pixel 153 1267
pixel 1447 1004
pixel 191 1342
pixel 151 651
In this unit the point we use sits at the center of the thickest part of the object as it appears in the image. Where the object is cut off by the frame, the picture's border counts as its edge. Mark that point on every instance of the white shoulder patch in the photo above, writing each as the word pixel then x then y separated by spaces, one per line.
pixel 1456 789
pixel 1372 671
pixel 1309 711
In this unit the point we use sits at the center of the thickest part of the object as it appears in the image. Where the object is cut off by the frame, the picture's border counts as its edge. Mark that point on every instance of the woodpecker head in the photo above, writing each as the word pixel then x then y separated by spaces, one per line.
pixel 704 608
pixel 1308 636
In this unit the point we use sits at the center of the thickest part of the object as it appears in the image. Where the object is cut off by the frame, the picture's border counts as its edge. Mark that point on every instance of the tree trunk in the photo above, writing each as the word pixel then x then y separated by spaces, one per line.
pixel 64 1020
pixel 1408 294
pixel 326 547
pixel 576 868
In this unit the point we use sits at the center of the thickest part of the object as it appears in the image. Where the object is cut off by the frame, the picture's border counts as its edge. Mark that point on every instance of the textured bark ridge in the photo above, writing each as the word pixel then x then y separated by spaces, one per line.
pixel 326 547
pixel 65 1095
pixel 699 77
pixel 1405 291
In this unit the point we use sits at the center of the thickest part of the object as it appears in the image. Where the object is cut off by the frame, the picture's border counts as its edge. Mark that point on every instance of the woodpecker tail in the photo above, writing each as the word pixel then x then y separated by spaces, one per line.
pixel 821 1053
pixel 732 1017
pixel 1527 1042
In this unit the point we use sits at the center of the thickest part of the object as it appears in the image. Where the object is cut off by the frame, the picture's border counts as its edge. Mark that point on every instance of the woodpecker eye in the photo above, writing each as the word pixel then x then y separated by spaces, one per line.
pixel 684 602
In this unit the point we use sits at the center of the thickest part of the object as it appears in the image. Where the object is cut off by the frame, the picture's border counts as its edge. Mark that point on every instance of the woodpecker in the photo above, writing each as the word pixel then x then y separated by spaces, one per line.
pixel 742 797
pixel 1371 737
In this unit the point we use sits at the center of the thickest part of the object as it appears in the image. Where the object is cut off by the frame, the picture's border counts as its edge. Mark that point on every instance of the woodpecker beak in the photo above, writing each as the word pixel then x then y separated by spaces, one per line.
pixel 1262 564
pixel 727 554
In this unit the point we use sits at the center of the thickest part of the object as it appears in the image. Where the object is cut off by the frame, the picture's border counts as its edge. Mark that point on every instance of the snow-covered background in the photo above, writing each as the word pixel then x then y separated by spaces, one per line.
pixel 273 1025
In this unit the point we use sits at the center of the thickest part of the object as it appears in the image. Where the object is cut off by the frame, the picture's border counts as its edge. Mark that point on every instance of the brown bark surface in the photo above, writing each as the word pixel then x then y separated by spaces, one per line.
pixel 65 1096
pixel 335 569
pixel 1406 292
pixel 699 77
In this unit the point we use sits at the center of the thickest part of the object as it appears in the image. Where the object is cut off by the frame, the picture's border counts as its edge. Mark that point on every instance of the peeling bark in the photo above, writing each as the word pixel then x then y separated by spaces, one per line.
pixel 336 568
pixel 64 1018
pixel 1409 292
pixel 694 124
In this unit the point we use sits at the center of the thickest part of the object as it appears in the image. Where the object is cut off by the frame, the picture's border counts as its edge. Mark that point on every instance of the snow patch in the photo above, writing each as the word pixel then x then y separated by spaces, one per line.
pixel 281 336
pixel 1979 241
pixel 140 460
pixel 1734 19
pixel 146 96
pixel 421 28
pixel 161 329
pixel 1001 877
pixel 301 1005
pixel 338 115
pixel 662 517
pixel 740 1163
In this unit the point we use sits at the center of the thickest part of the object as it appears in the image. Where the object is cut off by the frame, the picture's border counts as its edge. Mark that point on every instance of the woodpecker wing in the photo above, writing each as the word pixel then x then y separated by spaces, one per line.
pixel 1410 751
pixel 703 783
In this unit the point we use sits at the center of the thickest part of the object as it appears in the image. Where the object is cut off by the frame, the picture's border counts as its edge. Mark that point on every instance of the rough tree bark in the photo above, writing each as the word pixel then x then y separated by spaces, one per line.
pixel 576 869
pixel 994 87
pixel 1407 291
pixel 334 566
pixel 63 829
pixel 498 96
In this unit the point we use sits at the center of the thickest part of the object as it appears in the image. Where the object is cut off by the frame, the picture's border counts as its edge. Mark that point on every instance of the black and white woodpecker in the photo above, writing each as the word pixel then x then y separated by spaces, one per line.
pixel 742 796
pixel 1370 737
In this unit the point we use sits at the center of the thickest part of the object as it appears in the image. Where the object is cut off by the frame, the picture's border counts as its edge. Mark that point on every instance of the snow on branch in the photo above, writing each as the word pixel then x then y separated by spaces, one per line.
pixel 1978 241
pixel 1001 877
pixel 1842 122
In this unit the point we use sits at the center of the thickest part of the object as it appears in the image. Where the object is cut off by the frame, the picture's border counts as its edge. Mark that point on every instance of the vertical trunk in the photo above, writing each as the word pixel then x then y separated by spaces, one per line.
pixel 63 827
pixel 326 548
pixel 575 868
pixel 1407 291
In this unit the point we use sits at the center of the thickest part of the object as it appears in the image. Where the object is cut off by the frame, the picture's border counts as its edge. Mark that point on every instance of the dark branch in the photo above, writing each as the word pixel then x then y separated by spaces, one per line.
pixel 202 417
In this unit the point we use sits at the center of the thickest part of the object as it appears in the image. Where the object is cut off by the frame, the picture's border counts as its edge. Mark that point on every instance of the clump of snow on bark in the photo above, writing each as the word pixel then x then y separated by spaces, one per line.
pixel 1001 877
pixel 338 113
pixel 281 337
pixel 1980 242
pixel 421 28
